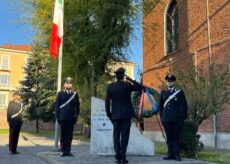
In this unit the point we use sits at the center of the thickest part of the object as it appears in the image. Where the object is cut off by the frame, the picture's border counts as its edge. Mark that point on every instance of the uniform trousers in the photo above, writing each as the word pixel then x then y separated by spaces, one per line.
pixel 15 127
pixel 121 131
pixel 66 135
pixel 172 135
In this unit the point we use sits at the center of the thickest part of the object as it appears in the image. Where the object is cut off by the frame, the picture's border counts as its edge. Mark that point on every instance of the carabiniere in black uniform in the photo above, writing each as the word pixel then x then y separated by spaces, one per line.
pixel 173 112
pixel 14 118
pixel 67 112
pixel 122 111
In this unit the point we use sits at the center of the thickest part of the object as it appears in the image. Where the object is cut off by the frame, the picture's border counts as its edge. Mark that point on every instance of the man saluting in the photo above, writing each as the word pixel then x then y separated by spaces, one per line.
pixel 67 112
pixel 122 111
pixel 14 119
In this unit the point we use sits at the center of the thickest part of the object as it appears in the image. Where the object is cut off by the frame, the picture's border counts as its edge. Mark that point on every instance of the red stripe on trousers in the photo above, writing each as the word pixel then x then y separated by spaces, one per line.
pixel 60 140
pixel 10 140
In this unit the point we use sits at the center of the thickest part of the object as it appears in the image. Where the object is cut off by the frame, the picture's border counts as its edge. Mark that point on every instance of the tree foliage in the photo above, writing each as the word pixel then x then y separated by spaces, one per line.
pixel 39 85
pixel 99 31
pixel 95 33
pixel 204 97
pixel 38 88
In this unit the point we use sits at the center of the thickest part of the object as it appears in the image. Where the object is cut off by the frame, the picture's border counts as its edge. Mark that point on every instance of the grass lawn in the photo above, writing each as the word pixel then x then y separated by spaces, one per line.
pixel 46 133
pixel 215 156
pixel 211 155
pixel 4 131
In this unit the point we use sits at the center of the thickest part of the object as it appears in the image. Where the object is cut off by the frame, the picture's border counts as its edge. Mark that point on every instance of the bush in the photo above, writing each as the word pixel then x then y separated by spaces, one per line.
pixel 189 139
pixel 86 120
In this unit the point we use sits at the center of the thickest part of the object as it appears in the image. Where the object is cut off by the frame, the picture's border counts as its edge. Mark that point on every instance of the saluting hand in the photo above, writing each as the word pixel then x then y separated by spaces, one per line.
pixel 128 78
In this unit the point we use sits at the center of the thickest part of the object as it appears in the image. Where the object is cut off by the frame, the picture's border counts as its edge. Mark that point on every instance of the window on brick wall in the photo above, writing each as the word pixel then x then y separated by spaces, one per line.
pixel 172 27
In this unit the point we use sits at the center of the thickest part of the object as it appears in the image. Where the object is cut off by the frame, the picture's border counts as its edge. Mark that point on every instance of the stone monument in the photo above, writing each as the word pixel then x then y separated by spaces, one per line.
pixel 101 142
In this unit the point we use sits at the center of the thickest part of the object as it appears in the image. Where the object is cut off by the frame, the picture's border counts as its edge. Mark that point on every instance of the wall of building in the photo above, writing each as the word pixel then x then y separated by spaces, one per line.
pixel 128 66
pixel 17 60
pixel 193 46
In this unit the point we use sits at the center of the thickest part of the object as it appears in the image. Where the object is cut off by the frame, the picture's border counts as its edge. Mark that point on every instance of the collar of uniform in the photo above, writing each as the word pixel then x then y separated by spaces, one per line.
pixel 171 89
pixel 67 91
pixel 17 101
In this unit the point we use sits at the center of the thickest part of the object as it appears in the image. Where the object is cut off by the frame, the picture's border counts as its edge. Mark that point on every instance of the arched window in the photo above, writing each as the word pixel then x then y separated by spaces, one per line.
pixel 172 27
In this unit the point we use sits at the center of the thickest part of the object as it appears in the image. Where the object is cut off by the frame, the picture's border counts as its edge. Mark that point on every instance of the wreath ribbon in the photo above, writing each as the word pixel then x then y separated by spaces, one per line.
pixel 138 106
pixel 154 107
pixel 141 103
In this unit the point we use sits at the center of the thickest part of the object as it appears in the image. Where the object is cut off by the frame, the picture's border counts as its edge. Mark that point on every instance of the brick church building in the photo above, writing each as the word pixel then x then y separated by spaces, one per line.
pixel 178 32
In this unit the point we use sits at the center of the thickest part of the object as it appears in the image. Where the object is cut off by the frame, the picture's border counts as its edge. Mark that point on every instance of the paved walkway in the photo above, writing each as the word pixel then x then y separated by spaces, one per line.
pixel 39 150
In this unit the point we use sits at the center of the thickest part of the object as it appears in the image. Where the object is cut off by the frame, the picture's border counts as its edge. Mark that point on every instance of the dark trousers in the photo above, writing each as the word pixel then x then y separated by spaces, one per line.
pixel 172 135
pixel 66 135
pixel 15 127
pixel 121 131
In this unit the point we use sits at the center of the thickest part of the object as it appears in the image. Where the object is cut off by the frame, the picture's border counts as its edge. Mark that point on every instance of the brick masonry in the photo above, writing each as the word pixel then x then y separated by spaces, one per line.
pixel 193 39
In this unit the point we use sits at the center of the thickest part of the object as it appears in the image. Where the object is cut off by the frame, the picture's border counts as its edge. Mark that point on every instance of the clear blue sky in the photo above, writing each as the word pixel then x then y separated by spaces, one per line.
pixel 11 30
pixel 14 32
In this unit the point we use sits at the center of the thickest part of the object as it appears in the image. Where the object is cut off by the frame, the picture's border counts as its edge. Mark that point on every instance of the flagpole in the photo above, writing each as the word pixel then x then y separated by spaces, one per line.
pixel 58 89
pixel 57 43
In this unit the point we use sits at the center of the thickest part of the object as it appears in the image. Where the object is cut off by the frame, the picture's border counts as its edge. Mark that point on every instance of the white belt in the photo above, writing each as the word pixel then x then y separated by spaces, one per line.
pixel 15 115
pixel 171 97
pixel 67 102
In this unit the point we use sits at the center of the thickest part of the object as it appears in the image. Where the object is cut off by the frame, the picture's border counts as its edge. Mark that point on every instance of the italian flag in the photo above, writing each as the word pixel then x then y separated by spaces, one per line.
pixel 57 28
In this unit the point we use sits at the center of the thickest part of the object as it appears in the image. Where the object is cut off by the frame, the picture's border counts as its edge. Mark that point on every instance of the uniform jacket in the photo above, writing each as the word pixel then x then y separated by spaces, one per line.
pixel 176 108
pixel 120 94
pixel 14 108
pixel 71 110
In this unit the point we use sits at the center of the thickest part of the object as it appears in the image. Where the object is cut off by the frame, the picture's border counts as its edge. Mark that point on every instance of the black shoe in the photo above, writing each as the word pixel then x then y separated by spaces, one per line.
pixel 14 152
pixel 125 161
pixel 168 158
pixel 69 154
pixel 64 154
pixel 177 158
pixel 117 159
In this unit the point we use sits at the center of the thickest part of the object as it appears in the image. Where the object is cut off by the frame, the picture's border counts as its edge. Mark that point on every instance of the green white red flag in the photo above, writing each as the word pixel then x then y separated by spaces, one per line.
pixel 57 28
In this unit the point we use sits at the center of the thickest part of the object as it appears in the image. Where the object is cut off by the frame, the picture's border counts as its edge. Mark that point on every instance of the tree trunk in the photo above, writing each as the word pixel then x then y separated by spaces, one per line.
pixel 93 90
pixel 37 126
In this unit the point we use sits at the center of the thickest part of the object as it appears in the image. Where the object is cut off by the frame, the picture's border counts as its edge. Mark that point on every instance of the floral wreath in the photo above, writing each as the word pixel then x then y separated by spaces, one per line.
pixel 137 100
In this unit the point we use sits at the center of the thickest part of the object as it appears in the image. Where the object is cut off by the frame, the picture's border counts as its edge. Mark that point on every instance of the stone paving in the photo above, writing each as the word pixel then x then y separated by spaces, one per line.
pixel 39 150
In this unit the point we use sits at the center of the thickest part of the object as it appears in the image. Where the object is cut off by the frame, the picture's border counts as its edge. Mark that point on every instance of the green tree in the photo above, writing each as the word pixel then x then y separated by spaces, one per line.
pixel 39 85
pixel 204 97
pixel 95 33
pixel 38 88
pixel 99 32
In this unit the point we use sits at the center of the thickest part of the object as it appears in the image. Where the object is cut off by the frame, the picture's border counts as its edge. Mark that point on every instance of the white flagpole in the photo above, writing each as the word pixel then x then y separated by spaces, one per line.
pixel 59 76
pixel 58 89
